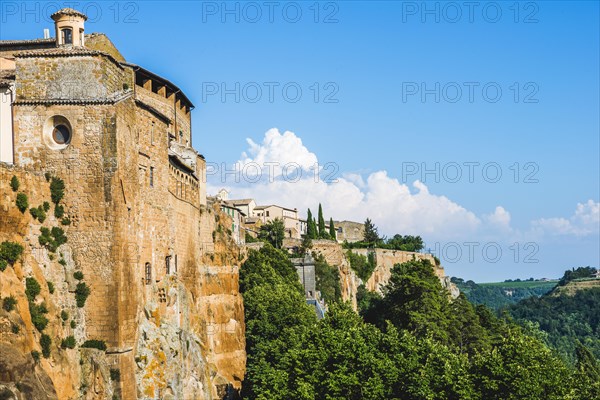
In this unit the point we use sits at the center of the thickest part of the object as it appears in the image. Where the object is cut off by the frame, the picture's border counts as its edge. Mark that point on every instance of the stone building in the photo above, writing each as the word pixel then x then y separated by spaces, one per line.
pixel 257 215
pixel 120 137
pixel 349 231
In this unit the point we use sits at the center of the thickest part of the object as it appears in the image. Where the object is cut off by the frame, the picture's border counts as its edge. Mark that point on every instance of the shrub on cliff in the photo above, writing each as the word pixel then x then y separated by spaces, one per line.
pixel 57 190
pixel 38 213
pixel 14 183
pixel 38 319
pixel 9 303
pixel 32 288
pixel 22 202
pixel 68 342
pixel 53 238
pixel 59 211
pixel 94 344
pixel 45 342
pixel 81 294
pixel 3 265
pixel 10 252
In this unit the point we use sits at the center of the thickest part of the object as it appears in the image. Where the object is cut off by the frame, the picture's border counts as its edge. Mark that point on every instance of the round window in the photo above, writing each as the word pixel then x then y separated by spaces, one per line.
pixel 57 132
pixel 61 134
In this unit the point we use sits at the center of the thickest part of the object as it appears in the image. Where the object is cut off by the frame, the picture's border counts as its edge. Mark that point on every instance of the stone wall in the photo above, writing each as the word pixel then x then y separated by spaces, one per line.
pixel 163 275
pixel 386 259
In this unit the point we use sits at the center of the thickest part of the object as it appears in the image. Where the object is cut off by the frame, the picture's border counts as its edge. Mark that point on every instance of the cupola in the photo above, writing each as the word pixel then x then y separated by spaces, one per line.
pixel 69 25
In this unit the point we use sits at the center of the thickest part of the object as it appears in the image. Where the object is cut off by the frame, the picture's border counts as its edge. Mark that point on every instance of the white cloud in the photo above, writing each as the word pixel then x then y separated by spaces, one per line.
pixel 393 206
pixel 585 221
pixel 278 152
pixel 499 219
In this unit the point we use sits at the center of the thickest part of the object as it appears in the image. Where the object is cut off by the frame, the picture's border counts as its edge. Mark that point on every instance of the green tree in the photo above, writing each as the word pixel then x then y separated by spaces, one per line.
pixel 371 236
pixel 276 316
pixel 322 230
pixel 273 232
pixel 311 231
pixel 332 234
pixel 415 300
pixel 520 367
pixel 306 245
pixel 587 374
pixel 327 280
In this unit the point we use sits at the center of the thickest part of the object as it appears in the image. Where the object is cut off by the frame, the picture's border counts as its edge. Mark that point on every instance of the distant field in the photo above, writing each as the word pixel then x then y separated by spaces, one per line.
pixel 522 285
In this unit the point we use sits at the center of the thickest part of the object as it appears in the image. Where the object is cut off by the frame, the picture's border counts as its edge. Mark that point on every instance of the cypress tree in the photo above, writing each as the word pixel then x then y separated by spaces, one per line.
pixel 331 229
pixel 310 226
pixel 322 231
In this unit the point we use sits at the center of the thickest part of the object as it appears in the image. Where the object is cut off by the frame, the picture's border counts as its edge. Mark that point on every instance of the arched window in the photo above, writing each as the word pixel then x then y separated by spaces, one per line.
pixel 67 35
pixel 148 273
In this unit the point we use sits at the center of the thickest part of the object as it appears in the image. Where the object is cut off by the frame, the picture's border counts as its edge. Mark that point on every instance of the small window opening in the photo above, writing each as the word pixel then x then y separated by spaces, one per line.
pixel 67 36
pixel 168 264
pixel 148 273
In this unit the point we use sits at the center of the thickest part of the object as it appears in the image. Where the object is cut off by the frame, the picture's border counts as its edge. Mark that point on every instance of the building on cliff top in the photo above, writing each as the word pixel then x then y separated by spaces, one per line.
pixel 120 136
pixel 256 215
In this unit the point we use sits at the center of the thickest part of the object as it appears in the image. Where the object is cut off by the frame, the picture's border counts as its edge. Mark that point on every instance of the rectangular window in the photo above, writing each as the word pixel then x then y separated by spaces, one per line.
pixel 148 273
pixel 168 264
pixel 151 176
pixel 67 36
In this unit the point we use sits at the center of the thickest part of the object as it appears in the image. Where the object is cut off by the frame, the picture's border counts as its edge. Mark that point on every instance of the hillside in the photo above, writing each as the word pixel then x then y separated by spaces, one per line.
pixel 567 315
pixel 501 294
pixel 575 286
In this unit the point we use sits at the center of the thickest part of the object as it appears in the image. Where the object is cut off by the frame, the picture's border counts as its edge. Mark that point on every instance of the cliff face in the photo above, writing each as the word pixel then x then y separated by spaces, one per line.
pixel 178 335
pixel 335 255
pixel 385 260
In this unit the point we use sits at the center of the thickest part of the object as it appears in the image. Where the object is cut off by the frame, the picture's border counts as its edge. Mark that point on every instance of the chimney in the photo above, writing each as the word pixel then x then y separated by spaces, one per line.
pixel 46 33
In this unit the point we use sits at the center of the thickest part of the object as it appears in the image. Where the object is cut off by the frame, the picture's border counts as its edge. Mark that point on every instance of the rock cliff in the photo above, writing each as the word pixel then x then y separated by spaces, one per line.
pixel 187 333
pixel 385 260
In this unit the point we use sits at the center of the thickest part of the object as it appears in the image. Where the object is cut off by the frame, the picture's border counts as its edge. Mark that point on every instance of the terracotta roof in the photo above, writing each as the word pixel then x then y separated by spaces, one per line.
pixel 68 11
pixel 8 43
pixel 166 82
pixel 227 204
pixel 274 205
pixel 7 76
pixel 241 201
pixel 65 52
pixel 115 98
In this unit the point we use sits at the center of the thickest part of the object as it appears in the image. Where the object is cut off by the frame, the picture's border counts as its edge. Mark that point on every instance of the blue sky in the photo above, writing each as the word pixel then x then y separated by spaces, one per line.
pixel 372 54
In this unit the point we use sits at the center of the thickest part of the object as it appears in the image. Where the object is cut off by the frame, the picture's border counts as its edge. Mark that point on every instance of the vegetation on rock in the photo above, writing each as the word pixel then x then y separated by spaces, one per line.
pixel 94 344
pixel 10 253
pixel 82 291
pixel 9 303
pixel 273 232
pixel 22 202
pixel 68 342
pixel 14 183
pixel 45 342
